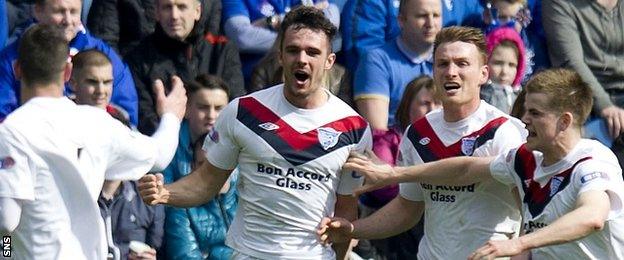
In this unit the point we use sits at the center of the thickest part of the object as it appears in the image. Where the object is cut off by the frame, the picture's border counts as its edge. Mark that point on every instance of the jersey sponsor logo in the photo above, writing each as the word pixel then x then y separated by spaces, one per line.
pixel 468 144
pixel 439 193
pixel 214 135
pixel 292 178
pixel 268 126
pixel 531 226
pixel 7 163
pixel 424 141
pixel 594 175
pixel 328 137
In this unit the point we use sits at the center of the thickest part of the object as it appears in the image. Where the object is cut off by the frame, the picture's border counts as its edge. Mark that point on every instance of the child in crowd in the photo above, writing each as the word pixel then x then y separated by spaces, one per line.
pixel 126 217
pixel 199 232
pixel 506 55
pixel 524 16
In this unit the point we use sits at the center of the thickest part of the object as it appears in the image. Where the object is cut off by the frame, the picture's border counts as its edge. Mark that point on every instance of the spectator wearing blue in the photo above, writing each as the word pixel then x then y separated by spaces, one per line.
pixel 4 23
pixel 368 24
pixel 253 24
pixel 66 16
pixel 199 232
pixel 384 72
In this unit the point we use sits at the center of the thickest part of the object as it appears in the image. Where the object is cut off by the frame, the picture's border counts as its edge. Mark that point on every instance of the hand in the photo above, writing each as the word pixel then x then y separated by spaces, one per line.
pixel 614 116
pixel 175 102
pixel 147 255
pixel 498 248
pixel 376 172
pixel 152 189
pixel 334 230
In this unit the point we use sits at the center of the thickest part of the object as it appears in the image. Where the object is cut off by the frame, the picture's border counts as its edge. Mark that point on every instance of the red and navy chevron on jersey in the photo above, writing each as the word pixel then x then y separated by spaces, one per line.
pixel 535 196
pixel 433 149
pixel 296 148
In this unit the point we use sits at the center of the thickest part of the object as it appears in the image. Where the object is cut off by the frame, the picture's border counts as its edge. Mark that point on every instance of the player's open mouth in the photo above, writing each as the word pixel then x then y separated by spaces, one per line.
pixel 301 76
pixel 451 86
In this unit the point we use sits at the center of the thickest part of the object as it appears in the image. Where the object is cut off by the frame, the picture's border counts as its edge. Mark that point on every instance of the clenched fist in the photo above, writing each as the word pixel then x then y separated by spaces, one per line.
pixel 152 189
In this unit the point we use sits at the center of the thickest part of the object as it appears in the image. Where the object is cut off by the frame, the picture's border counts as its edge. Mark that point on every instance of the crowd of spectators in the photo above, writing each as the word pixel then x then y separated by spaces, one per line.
pixel 224 49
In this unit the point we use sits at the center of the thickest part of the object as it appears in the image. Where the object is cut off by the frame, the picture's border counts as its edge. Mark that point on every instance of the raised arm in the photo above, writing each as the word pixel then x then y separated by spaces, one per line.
pixel 452 171
pixel 589 216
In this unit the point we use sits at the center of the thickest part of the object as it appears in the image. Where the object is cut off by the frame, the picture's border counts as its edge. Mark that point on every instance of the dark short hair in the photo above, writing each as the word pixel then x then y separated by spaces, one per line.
pixel 307 17
pixel 462 34
pixel 89 58
pixel 566 90
pixel 43 2
pixel 42 54
pixel 206 81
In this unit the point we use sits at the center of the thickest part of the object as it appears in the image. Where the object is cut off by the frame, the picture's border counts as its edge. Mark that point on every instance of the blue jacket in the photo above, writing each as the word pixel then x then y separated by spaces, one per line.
pixel 198 232
pixel 124 92
pixel 4 23
pixel 369 24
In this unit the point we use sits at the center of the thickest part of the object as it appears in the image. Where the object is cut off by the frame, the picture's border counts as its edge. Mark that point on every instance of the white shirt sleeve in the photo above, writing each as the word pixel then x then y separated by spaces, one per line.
pixel 17 170
pixel 132 154
pixel 408 157
pixel 599 175
pixel 221 147
pixel 166 140
pixel 502 168
pixel 350 180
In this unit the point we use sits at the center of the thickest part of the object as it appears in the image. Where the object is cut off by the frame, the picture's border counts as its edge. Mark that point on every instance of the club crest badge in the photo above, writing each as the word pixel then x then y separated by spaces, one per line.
pixel 467 145
pixel 328 137
pixel 213 135
pixel 6 163
pixel 554 185
pixel 268 126
pixel 424 141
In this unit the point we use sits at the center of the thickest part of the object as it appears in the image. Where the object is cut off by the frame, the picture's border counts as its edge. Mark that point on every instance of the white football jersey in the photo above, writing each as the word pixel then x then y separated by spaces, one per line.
pixel 53 156
pixel 290 162
pixel 551 192
pixel 460 219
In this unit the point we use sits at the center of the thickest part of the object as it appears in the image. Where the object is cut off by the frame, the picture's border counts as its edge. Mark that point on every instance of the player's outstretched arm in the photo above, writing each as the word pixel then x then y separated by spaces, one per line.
pixel 397 216
pixel 346 208
pixel 592 209
pixel 197 188
pixel 452 171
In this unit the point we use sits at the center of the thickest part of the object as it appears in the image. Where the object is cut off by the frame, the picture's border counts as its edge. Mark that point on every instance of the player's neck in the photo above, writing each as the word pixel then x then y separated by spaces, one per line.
pixel 38 90
pixel 454 112
pixel 563 145
pixel 314 100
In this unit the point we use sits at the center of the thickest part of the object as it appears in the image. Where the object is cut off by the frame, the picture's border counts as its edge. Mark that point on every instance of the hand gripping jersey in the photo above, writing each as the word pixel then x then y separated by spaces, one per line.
pixel 290 162
pixel 551 192
pixel 460 219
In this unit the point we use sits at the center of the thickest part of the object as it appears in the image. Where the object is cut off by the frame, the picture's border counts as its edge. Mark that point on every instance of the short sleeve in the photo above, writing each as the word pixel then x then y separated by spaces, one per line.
pixel 502 168
pixel 598 175
pixel 371 77
pixel 220 144
pixel 133 155
pixel 17 171
pixel 350 180
pixel 408 157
